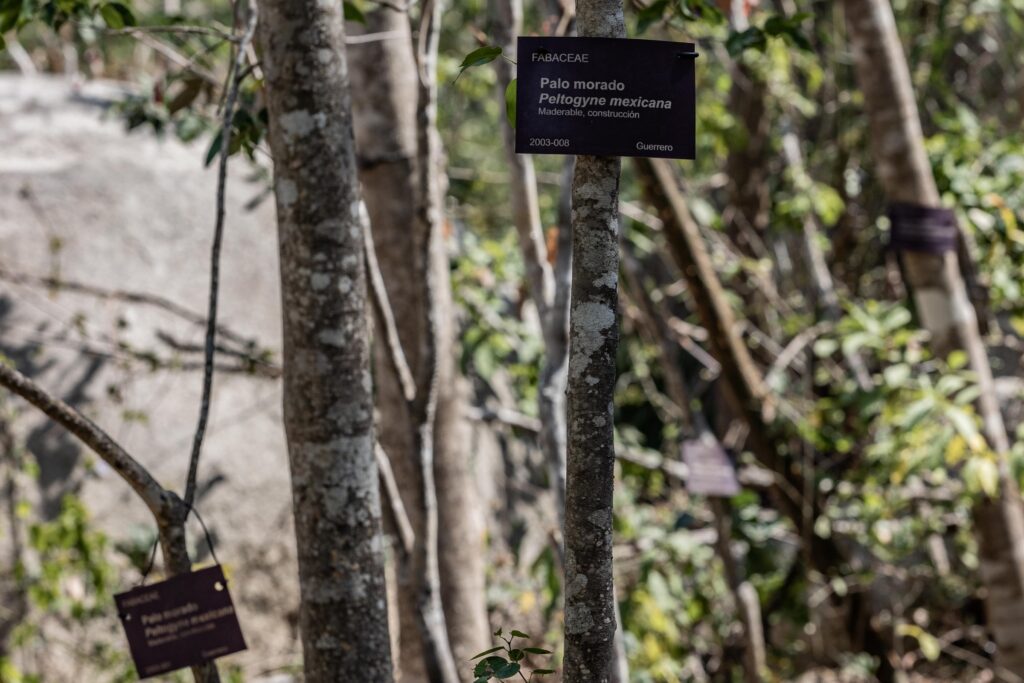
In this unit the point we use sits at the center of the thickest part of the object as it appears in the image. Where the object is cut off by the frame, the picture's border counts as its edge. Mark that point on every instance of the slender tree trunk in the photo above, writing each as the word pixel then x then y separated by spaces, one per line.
pixel 547 287
pixel 942 302
pixel 438 415
pixel 328 402
pixel 593 344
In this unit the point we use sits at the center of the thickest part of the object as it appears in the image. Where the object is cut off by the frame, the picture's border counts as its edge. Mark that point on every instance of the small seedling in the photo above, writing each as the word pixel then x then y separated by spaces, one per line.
pixel 508 664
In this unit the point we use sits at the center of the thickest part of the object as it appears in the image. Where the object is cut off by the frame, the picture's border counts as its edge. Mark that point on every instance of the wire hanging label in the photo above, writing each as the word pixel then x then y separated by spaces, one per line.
pixel 180 622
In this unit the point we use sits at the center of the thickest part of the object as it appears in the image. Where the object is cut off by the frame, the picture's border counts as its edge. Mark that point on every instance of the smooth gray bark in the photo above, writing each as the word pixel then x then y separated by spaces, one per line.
pixel 942 302
pixel 328 400
pixel 593 344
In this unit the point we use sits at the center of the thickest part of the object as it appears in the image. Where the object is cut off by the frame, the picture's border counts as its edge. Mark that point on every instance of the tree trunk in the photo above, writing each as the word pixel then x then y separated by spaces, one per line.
pixel 328 401
pixel 942 302
pixel 547 285
pixel 593 345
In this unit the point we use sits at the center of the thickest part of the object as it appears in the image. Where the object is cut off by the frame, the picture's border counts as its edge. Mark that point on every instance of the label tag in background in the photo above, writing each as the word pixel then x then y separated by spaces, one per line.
pixel 710 470
pixel 180 622
pixel 606 97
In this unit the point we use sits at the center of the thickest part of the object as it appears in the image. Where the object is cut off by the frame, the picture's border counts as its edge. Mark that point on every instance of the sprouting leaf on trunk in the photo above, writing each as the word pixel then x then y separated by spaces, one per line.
pixel 353 13
pixel 650 15
pixel 510 103
pixel 479 57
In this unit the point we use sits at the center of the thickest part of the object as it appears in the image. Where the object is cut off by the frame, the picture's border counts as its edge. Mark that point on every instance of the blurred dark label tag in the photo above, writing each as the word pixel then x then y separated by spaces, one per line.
pixel 186 620
pixel 923 228
pixel 605 97
pixel 710 470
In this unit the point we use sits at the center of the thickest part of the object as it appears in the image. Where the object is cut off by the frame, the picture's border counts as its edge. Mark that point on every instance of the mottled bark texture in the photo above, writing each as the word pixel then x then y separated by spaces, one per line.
pixel 942 301
pixel 548 285
pixel 593 344
pixel 384 73
pixel 328 401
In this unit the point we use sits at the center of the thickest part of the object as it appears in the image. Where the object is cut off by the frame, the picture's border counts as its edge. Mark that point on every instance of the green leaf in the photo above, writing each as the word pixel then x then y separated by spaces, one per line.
pixel 519 634
pixel 486 652
pixel 214 150
pixel 3 43
pixel 516 654
pixel 479 57
pixel 649 15
pixel 510 103
pixel 957 359
pixel 353 13
pixel 823 348
pixel 740 41
pixel 116 15
pixel 536 650
pixel 509 670
pixel 489 666
pixel 896 375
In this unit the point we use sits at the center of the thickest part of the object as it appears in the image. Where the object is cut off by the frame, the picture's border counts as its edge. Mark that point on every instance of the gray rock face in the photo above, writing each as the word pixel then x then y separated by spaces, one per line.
pixel 83 202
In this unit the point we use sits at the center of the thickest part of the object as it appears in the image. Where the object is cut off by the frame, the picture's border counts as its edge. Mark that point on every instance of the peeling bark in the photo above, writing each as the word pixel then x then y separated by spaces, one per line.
pixel 328 401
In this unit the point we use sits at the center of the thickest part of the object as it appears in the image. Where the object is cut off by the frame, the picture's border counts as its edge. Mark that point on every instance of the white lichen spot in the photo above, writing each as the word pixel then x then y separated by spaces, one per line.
pixel 319 281
pixel 297 123
pixel 602 519
pixel 610 280
pixel 578 619
pixel 345 284
pixel 325 56
pixel 287 192
pixel 600 421
pixel 332 338
pixel 589 322
pixel 577 584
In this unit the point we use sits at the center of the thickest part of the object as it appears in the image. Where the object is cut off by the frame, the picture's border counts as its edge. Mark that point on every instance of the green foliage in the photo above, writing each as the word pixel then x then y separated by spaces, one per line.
pixel 509 664
pixel 74 576
pixel 479 57
pixel 777 26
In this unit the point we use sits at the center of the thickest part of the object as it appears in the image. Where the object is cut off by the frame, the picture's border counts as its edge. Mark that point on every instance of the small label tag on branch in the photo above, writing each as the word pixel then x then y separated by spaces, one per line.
pixel 181 622
pixel 710 470
pixel 922 228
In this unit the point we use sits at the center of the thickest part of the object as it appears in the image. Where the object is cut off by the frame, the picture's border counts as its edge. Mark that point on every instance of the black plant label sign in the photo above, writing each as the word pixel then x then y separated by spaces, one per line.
pixel 181 622
pixel 606 97
pixel 710 470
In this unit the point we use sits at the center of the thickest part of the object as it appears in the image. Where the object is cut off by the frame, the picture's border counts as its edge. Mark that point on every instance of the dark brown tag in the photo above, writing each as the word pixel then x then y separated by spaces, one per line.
pixel 180 622
pixel 922 228
pixel 606 96
pixel 710 470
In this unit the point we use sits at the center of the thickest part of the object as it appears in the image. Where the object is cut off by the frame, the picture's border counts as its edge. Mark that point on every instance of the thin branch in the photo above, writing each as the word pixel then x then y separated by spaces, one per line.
pixel 154 300
pixel 91 435
pixel 218 234
pixel 387 315
pixel 374 37
pixel 181 30
pixel 387 476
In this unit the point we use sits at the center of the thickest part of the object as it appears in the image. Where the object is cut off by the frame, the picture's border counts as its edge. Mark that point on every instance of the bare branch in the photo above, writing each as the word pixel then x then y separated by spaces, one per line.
pixel 154 300
pixel 387 477
pixel 99 441
pixel 235 80
pixel 386 313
